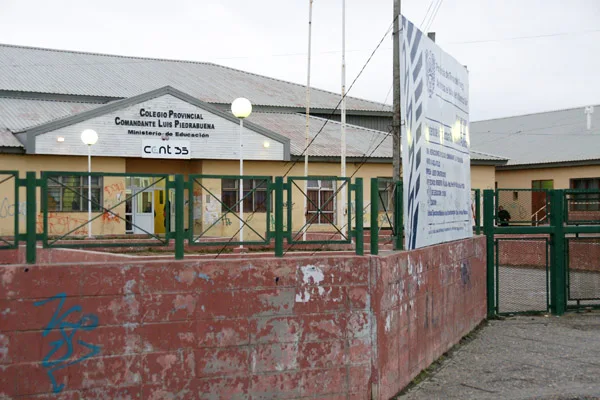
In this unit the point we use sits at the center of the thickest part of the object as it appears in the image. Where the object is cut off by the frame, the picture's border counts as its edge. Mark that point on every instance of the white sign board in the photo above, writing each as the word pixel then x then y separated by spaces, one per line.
pixel 166 149
pixel 435 142
pixel 210 136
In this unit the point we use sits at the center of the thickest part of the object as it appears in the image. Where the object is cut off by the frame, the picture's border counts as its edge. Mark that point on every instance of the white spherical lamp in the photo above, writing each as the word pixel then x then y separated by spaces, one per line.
pixel 241 107
pixel 89 137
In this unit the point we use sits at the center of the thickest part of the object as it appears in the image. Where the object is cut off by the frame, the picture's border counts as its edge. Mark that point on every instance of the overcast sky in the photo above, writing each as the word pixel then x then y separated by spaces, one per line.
pixel 510 71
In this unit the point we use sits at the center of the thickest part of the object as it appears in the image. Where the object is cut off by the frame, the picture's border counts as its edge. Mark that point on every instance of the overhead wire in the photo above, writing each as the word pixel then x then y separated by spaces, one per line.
pixel 329 117
pixel 433 15
pixel 427 13
pixel 364 161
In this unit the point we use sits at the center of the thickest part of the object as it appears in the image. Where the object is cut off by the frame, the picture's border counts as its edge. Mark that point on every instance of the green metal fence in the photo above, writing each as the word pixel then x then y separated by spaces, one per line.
pixel 476 202
pixel 386 211
pixel 10 209
pixel 523 207
pixel 545 257
pixel 65 199
pixel 322 195
pixel 67 209
pixel 214 210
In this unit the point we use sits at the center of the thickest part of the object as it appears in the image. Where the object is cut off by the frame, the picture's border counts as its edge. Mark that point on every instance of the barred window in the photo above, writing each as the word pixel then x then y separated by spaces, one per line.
pixel 585 201
pixel 255 195
pixel 321 202
pixel 70 193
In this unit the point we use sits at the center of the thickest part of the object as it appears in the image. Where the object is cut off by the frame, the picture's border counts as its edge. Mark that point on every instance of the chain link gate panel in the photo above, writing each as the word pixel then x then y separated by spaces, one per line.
pixel 582 246
pixel 522 275
pixel 583 272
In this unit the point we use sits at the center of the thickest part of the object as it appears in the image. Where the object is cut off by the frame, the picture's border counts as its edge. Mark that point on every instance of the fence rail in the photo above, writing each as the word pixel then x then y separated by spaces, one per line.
pixel 10 209
pixel 115 197
pixel 65 209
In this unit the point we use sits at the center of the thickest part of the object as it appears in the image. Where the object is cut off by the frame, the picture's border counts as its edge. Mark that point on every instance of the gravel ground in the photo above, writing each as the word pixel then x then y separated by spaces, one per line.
pixel 522 357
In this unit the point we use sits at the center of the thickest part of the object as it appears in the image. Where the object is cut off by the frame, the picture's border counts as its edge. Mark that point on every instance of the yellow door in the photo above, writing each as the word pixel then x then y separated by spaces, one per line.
pixel 159 211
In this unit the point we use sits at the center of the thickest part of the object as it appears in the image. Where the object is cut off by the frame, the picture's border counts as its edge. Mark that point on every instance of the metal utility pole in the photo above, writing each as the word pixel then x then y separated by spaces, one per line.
pixel 396 133
pixel 344 203
pixel 307 130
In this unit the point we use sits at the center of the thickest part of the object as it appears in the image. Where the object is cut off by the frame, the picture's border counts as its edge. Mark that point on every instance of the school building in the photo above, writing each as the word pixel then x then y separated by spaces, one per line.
pixel 549 150
pixel 170 117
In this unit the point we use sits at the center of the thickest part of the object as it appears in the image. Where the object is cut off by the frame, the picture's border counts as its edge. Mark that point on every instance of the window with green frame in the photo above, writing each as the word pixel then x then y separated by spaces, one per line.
pixel 70 193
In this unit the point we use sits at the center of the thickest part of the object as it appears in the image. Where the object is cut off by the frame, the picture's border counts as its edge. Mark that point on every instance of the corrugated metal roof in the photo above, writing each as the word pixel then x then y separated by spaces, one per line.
pixel 7 139
pixel 359 141
pixel 20 114
pixel 477 155
pixel 549 137
pixel 75 73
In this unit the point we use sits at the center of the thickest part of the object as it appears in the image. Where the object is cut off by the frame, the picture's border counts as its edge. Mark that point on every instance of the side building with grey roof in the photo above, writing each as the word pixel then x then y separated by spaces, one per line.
pixel 548 150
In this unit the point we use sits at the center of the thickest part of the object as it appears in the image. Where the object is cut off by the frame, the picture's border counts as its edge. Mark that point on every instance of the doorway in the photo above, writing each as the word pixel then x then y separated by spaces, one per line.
pixel 539 203
pixel 143 213
pixel 145 205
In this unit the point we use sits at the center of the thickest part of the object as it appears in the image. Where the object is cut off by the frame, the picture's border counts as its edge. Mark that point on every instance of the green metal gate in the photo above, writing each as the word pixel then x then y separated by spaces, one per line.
pixel 543 252
pixel 582 246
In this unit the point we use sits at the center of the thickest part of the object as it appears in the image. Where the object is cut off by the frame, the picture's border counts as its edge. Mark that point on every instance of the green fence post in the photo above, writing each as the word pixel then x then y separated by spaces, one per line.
pixel 359 215
pixel 478 211
pixel 374 216
pixel 557 266
pixel 399 216
pixel 179 216
pixel 488 230
pixel 17 210
pixel 31 235
pixel 279 216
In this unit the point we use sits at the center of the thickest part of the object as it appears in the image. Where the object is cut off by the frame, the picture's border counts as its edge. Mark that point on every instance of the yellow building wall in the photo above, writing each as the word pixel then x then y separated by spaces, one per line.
pixel 483 176
pixel 228 225
pixel 521 179
pixel 520 203
pixel 205 213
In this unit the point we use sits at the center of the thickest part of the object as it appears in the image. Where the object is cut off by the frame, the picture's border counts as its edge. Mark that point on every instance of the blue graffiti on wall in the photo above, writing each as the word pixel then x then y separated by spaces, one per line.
pixel 68 330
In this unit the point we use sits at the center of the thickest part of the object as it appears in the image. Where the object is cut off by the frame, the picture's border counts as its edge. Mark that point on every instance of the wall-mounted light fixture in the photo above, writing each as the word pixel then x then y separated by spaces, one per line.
pixel 60 139
pixel 266 144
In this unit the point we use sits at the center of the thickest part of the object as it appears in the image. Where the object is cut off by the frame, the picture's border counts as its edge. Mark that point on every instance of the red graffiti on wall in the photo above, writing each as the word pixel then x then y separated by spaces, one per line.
pixel 109 216
pixel 67 224
pixel 114 188
pixel 62 224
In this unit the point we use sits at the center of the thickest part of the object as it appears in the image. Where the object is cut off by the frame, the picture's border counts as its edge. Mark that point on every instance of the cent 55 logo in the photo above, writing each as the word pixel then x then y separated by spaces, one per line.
pixel 167 149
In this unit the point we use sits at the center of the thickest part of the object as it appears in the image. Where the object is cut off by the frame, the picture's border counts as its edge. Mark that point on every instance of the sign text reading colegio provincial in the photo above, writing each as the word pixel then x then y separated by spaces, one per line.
pixel 167 123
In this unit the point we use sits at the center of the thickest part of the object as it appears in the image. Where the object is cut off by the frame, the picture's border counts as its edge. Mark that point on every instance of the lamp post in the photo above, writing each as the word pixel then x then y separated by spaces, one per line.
pixel 241 108
pixel 89 137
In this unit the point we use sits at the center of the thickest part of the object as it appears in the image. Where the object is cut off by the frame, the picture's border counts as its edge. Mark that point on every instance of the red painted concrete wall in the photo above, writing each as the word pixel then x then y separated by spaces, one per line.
pixel 325 327
pixel 425 302
pixel 584 253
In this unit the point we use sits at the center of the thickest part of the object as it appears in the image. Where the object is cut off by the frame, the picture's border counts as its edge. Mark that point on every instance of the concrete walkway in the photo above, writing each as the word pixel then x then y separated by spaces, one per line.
pixel 543 357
